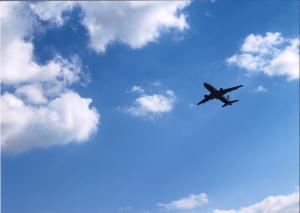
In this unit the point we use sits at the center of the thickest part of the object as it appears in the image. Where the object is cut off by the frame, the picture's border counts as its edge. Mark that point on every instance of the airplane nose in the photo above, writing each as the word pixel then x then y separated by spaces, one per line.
pixel 208 86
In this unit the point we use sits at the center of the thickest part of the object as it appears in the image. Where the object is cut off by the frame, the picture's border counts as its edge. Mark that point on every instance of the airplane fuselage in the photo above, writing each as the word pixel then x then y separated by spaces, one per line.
pixel 214 93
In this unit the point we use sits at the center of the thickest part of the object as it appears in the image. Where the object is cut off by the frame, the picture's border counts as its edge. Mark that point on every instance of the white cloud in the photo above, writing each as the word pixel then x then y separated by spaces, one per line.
pixel 260 88
pixel 187 203
pixel 132 23
pixel 272 204
pixel 152 105
pixel 261 44
pixel 18 66
pixel 138 89
pixel 33 93
pixel 52 11
pixel 36 89
pixel 65 119
pixel 39 110
pixel 272 54
pixel 17 61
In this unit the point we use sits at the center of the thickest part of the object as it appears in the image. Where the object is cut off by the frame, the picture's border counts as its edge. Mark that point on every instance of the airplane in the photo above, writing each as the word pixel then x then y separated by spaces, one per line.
pixel 218 94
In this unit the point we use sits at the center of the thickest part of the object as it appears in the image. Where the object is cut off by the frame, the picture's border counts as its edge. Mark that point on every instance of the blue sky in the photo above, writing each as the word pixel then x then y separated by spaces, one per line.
pixel 86 141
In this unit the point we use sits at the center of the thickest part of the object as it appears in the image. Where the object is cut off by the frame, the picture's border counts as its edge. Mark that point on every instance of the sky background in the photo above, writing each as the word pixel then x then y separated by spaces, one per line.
pixel 237 156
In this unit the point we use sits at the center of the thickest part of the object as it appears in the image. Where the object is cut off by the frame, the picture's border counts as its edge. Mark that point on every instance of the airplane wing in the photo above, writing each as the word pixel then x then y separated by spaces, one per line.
pixel 204 100
pixel 231 89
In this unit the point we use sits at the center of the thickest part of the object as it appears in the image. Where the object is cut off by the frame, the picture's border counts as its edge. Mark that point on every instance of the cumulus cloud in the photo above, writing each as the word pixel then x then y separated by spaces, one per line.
pixel 132 23
pixel 39 109
pixel 150 105
pixel 271 54
pixel 65 119
pixel 186 203
pixel 272 204
pixel 17 62
pixel 148 19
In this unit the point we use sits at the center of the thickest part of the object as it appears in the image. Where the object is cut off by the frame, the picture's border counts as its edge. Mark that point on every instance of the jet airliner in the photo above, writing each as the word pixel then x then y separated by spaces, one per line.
pixel 218 94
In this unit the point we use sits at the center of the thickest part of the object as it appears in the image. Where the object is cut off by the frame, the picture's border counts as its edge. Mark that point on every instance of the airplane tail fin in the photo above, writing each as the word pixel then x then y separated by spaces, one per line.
pixel 230 102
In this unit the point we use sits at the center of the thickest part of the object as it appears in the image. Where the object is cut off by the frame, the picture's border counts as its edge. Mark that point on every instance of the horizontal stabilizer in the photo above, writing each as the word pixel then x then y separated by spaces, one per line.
pixel 229 103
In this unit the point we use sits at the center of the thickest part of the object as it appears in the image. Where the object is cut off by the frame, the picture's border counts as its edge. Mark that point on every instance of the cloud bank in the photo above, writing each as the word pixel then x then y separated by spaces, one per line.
pixel 272 204
pixel 271 54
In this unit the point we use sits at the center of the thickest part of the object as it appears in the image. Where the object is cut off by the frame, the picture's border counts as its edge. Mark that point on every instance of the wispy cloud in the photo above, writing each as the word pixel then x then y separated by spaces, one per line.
pixel 138 89
pixel 186 203
pixel 156 83
pixel 260 88
pixel 271 54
